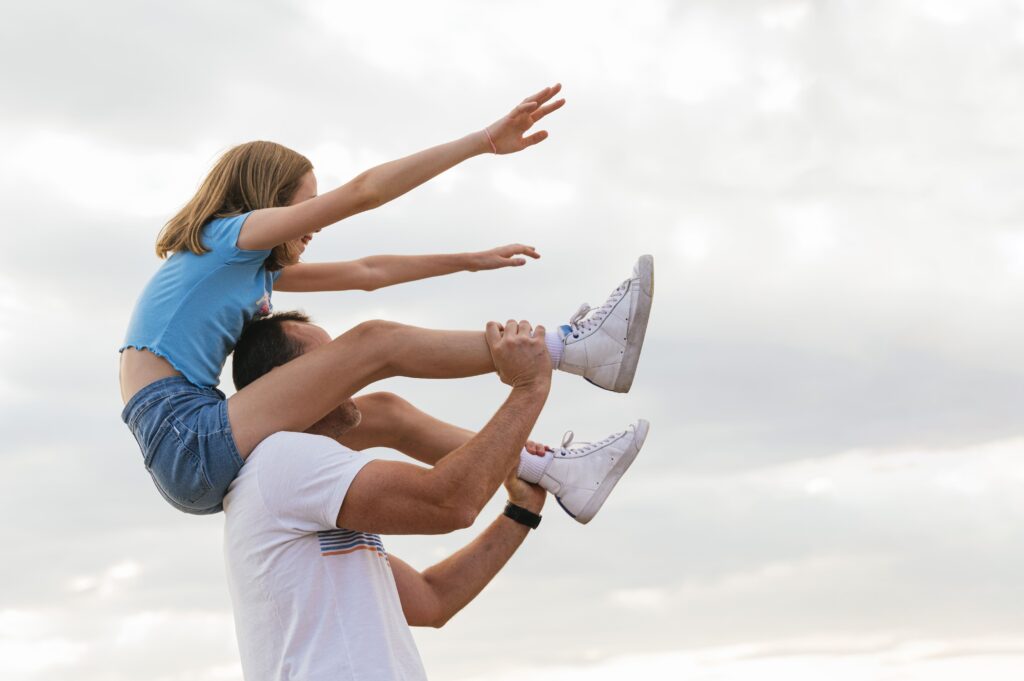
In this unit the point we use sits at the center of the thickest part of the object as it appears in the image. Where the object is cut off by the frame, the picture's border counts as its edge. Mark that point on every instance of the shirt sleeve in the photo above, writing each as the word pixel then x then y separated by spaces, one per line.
pixel 303 479
pixel 220 235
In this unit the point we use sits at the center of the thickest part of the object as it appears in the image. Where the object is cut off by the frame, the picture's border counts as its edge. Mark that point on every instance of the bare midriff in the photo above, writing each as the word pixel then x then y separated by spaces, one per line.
pixel 139 368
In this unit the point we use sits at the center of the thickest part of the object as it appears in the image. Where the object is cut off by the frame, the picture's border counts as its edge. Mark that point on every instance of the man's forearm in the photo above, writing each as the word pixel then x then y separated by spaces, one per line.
pixel 472 473
pixel 458 579
pixel 390 180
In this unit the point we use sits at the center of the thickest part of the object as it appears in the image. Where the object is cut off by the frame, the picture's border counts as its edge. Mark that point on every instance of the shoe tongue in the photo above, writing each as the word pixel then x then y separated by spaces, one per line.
pixel 564 330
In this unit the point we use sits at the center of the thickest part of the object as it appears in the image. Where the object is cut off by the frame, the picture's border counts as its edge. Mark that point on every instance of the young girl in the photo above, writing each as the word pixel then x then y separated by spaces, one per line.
pixel 241 236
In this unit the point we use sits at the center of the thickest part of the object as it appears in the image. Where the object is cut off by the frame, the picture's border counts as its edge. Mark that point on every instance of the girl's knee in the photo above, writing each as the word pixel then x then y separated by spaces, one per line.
pixel 373 345
pixel 389 405
pixel 390 418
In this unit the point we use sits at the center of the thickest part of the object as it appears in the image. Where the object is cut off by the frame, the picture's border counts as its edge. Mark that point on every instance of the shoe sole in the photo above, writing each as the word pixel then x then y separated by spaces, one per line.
pixel 638 319
pixel 614 475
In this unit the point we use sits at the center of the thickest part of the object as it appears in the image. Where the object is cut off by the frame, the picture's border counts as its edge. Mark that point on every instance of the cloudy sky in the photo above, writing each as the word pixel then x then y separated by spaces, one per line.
pixel 834 482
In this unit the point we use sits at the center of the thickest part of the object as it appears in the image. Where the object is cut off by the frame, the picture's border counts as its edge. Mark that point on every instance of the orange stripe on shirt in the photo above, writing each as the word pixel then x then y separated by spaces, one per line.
pixel 354 548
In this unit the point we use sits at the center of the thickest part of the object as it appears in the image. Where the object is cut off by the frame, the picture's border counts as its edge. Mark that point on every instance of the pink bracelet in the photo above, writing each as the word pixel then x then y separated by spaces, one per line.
pixel 493 148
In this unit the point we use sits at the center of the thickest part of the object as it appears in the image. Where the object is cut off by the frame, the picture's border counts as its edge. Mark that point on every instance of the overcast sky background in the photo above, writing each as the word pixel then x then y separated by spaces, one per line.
pixel 834 482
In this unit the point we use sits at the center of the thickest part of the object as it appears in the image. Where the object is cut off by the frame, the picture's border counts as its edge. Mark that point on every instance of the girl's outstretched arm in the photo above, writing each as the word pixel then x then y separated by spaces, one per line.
pixel 269 227
pixel 377 271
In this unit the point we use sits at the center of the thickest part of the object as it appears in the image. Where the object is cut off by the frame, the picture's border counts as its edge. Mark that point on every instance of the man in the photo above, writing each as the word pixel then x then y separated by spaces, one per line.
pixel 315 594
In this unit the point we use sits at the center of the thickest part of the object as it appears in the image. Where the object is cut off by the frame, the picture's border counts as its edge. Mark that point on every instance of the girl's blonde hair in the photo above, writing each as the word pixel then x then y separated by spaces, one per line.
pixel 247 177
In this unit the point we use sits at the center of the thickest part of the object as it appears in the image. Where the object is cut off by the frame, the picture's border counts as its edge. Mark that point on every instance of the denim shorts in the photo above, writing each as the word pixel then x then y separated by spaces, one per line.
pixel 186 442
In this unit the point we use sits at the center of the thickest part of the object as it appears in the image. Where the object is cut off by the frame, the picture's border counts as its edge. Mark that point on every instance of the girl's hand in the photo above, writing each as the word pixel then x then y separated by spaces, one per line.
pixel 502 256
pixel 536 448
pixel 506 135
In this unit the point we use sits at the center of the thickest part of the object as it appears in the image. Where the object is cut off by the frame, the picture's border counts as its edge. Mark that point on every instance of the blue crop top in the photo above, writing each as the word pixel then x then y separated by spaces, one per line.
pixel 193 309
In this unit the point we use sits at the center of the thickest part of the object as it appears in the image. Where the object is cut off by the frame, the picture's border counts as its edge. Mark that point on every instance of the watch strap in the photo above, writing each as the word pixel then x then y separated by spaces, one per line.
pixel 522 516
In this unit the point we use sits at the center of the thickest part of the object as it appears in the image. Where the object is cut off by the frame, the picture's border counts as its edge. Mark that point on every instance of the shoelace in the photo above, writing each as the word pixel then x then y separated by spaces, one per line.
pixel 580 323
pixel 585 447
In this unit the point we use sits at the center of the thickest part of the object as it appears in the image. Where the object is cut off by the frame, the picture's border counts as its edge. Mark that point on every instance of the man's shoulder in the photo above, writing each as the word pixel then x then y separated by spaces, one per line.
pixel 284 453
pixel 298 480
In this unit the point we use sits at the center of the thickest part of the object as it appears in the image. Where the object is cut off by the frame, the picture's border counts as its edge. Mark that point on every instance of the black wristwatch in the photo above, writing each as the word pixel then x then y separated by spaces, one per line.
pixel 522 516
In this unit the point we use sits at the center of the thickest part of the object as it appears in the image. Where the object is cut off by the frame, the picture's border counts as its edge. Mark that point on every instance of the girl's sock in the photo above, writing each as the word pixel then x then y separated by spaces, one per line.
pixel 555 347
pixel 532 467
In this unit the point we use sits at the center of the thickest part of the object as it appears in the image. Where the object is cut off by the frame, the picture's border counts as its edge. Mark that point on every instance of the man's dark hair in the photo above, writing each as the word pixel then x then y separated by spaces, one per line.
pixel 263 346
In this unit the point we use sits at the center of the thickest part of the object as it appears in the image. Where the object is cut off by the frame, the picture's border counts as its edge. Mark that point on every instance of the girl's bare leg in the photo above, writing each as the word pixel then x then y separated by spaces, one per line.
pixel 298 394
pixel 389 421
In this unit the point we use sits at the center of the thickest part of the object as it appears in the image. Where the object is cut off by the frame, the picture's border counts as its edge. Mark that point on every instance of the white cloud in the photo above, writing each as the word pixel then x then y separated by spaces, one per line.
pixel 537 191
pixel 838 660
pixel 786 15
pixel 638 599
pixel 106 583
pixel 29 645
pixel 781 87
pixel 66 166
pixel 702 59
pixel 878 479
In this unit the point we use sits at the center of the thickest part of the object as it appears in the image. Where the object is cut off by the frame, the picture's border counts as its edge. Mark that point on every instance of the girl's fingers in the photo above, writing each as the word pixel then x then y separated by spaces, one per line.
pixel 525 107
pixel 536 448
pixel 520 249
pixel 546 93
pixel 535 138
pixel 546 109
pixel 517 249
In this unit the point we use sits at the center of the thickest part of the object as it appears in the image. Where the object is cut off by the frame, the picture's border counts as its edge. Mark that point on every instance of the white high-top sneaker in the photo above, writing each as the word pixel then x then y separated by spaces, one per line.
pixel 581 476
pixel 604 345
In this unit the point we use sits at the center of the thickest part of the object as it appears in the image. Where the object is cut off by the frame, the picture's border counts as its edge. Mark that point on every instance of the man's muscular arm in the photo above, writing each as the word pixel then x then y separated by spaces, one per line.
pixel 395 498
pixel 431 598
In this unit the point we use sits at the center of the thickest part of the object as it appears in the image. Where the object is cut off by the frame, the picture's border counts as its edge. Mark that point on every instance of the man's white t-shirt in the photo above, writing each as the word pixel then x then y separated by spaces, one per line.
pixel 311 601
